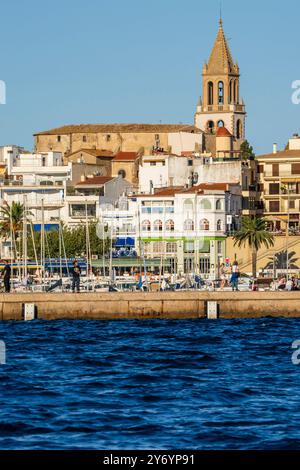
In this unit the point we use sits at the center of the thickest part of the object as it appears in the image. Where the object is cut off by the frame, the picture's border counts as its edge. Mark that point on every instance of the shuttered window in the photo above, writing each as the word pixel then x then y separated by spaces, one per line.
pixel 274 206
pixel 295 168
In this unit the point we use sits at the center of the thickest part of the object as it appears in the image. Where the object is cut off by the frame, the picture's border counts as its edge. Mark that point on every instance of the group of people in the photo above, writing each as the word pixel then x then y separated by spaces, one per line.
pixel 6 277
pixel 232 279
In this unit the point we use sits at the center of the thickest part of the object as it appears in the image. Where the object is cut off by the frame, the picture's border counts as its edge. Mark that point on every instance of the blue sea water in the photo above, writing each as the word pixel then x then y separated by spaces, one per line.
pixel 150 385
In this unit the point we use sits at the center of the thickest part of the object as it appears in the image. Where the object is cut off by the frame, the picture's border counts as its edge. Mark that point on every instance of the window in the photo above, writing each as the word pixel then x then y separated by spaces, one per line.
pixel 188 225
pixel 146 226
pixel 221 93
pixel 108 138
pixel 221 123
pixel 296 169
pixel 220 247
pixel 204 265
pixel 171 247
pixel 58 138
pixel 158 247
pixel 210 93
pixel 190 162
pixel 274 188
pixel 170 226
pixel 219 205
pixel 205 204
pixel 219 226
pixel 274 206
pixel 158 226
pixel 210 127
pixel 84 138
pixel 239 129
pixel 189 247
pixel 230 91
pixel 275 169
pixel 204 225
pixel 81 210
pixel 260 169
pixel 122 173
pixel 152 163
pixel 292 204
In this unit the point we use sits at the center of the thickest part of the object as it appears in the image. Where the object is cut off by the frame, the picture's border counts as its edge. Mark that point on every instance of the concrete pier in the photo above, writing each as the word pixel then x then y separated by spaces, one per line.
pixel 159 305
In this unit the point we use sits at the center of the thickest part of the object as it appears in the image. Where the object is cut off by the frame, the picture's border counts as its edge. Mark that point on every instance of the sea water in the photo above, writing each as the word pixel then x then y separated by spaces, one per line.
pixel 225 384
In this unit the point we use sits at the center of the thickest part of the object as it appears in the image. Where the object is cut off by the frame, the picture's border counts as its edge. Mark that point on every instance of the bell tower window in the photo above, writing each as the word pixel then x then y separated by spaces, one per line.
pixel 221 93
pixel 210 93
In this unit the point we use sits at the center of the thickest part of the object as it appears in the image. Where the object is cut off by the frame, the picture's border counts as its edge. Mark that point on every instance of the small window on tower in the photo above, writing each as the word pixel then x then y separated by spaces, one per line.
pixel 221 93
pixel 84 139
pixel 58 138
pixel 108 138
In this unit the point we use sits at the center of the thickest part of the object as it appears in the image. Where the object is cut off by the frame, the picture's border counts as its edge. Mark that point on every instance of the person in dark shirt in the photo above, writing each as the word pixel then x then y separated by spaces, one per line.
pixel 6 276
pixel 76 277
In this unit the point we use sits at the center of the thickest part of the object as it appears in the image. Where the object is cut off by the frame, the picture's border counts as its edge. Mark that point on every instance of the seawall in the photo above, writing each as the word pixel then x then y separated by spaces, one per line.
pixel 160 305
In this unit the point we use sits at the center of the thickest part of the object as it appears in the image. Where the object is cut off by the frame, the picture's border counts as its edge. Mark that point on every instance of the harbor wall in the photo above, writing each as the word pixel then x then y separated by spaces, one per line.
pixel 159 305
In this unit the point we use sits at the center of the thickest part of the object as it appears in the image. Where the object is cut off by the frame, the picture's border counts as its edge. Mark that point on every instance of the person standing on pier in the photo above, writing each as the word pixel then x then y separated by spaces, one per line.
pixel 6 276
pixel 235 276
pixel 76 277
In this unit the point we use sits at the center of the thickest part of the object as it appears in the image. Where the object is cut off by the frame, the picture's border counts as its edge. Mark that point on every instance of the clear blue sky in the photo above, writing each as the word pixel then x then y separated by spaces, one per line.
pixel 96 61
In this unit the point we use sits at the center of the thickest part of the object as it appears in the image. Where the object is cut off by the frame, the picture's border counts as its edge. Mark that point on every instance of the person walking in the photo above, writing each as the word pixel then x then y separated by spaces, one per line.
pixel 235 276
pixel 76 277
pixel 6 276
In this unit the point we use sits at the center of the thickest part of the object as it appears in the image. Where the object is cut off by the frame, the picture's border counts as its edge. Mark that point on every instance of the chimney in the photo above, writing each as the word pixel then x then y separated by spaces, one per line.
pixel 274 148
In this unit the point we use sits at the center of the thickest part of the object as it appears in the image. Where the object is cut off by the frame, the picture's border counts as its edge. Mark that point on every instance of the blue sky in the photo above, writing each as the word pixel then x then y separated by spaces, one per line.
pixel 96 61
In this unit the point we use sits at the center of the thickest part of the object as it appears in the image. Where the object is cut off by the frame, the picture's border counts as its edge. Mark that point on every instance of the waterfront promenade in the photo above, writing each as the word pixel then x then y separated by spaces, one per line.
pixel 159 305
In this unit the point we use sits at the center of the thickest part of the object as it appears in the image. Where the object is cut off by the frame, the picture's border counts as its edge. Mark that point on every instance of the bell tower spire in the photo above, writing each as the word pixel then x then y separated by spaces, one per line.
pixel 221 102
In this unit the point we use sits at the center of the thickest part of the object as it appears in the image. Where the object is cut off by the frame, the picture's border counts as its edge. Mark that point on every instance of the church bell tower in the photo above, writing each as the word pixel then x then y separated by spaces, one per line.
pixel 221 104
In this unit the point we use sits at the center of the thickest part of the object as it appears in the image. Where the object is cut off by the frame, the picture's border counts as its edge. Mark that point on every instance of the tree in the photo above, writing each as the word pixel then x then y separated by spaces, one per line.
pixel 74 241
pixel 12 218
pixel 254 232
pixel 279 261
pixel 247 151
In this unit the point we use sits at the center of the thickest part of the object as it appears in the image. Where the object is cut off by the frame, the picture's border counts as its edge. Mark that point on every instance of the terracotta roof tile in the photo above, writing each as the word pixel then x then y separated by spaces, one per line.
pixel 126 156
pixel 223 132
pixel 120 128
pixel 96 180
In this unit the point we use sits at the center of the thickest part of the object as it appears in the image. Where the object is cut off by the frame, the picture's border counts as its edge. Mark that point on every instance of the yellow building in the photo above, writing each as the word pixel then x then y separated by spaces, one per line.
pixel 174 138
pixel 279 184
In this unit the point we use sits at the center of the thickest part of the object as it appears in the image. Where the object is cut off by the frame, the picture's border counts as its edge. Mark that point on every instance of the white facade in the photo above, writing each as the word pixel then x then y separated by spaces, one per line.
pixel 9 152
pixel 185 142
pixel 159 171
pixel 39 168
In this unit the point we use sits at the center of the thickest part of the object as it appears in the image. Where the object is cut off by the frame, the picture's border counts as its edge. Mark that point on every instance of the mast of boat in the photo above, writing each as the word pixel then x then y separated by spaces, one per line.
pixel 43 245
pixel 88 246
pixel 11 246
pixel 24 250
pixel 60 250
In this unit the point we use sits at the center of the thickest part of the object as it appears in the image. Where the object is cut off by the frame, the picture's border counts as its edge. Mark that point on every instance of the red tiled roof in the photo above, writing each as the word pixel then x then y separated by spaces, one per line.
pixel 96 180
pixel 223 132
pixel 126 156
pixel 121 128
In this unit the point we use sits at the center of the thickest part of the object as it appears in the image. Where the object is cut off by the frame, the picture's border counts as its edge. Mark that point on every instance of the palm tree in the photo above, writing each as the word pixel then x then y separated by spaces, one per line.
pixel 11 220
pixel 254 232
pixel 279 261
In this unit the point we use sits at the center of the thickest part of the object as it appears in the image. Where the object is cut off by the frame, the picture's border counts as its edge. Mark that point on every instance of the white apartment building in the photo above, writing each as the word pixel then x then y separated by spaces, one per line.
pixel 185 228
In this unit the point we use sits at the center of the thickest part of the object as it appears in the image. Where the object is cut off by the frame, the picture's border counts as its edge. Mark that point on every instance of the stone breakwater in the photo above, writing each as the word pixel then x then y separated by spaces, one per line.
pixel 160 305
